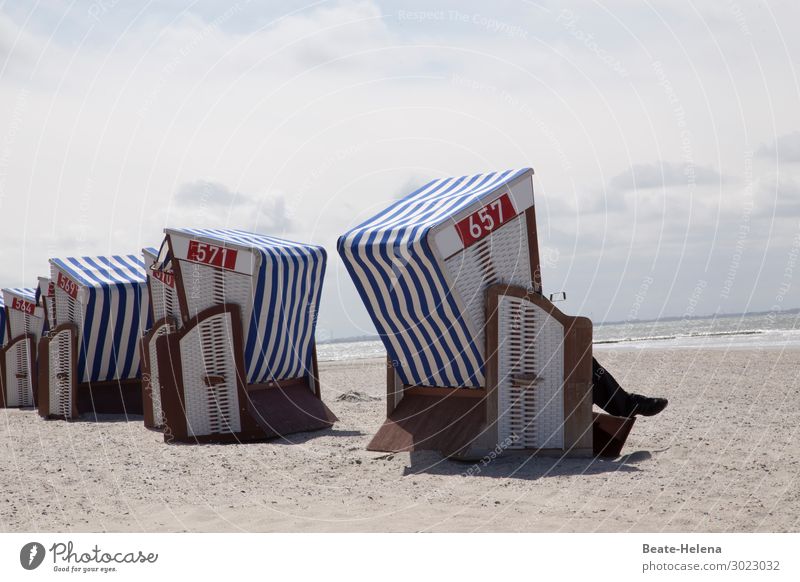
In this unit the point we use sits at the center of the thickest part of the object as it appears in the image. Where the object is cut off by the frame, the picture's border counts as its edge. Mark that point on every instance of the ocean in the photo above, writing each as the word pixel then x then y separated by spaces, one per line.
pixel 750 330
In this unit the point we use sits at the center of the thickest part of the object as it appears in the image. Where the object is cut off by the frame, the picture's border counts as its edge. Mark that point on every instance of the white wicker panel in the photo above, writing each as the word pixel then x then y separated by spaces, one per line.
pixel 67 309
pixel 61 374
pixel 50 307
pixel 22 323
pixel 531 346
pixel 155 382
pixel 501 257
pixel 207 351
pixel 18 381
pixel 208 286
pixel 165 300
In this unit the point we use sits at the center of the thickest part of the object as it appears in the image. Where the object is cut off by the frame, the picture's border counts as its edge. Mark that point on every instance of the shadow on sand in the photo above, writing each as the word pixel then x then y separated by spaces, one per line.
pixel 522 466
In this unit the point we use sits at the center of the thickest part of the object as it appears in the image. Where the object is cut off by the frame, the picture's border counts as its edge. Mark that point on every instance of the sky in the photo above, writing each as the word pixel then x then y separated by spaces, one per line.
pixel 665 137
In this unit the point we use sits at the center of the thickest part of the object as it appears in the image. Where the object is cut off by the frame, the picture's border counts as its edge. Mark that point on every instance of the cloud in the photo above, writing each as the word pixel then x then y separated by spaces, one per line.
pixel 779 195
pixel 213 201
pixel 204 192
pixel 17 45
pixel 275 216
pixel 662 174
pixel 786 148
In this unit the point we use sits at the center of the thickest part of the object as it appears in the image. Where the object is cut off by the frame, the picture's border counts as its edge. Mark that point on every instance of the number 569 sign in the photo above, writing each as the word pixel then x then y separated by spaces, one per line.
pixel 484 220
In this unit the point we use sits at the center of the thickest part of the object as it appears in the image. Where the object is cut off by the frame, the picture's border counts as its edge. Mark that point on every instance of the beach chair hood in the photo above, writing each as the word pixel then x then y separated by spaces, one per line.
pixel 276 283
pixel 106 298
pixel 24 315
pixel 422 265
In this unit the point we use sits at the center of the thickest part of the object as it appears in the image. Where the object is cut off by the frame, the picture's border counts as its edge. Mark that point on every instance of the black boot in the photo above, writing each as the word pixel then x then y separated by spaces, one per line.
pixel 645 405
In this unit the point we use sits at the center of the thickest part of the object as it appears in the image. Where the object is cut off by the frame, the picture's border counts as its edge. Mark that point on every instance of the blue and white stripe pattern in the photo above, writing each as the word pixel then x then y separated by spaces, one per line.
pixel 114 312
pixel 405 289
pixel 26 293
pixel 286 288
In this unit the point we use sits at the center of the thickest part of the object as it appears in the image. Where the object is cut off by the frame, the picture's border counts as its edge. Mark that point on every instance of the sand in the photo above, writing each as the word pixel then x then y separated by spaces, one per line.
pixel 723 457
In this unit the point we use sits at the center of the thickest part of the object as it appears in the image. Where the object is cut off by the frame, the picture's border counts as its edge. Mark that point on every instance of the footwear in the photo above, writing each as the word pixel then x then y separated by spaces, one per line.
pixel 645 405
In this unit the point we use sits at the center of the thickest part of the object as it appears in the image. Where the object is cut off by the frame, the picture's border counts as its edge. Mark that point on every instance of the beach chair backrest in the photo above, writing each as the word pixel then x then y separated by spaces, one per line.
pixel 24 323
pixel 163 291
pixel 275 283
pixel 24 315
pixel 422 267
pixel 107 299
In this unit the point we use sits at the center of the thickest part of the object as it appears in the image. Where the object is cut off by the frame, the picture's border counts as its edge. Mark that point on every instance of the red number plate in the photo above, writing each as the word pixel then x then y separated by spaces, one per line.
pixel 214 255
pixel 483 221
pixel 22 305
pixel 67 285
pixel 165 277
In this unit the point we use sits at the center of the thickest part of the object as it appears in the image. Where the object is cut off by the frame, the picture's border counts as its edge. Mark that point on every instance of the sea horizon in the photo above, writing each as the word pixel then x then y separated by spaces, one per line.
pixel 762 329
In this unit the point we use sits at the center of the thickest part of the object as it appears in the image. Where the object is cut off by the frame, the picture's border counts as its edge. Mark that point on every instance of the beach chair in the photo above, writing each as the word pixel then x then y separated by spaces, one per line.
pixel 166 317
pixel 89 360
pixel 24 322
pixel 478 359
pixel 241 363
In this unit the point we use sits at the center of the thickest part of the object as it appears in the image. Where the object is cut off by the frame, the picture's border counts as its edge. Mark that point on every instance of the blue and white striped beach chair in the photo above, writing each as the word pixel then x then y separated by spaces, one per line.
pixel 91 354
pixel 24 322
pixel 440 271
pixel 241 361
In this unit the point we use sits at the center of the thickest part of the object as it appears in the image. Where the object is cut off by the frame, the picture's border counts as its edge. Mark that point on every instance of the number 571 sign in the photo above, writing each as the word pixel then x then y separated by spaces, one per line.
pixel 486 219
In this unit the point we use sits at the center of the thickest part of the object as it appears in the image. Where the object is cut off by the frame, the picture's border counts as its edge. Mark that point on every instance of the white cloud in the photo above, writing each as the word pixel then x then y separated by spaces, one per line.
pixel 663 174
pixel 785 148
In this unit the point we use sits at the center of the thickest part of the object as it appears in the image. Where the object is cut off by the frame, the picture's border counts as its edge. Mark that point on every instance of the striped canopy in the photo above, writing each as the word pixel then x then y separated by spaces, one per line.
pixel 26 293
pixel 397 262
pixel 112 294
pixel 283 296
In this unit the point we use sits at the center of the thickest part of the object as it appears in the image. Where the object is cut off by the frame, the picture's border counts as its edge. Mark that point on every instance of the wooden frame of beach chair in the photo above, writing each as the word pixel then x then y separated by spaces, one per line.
pixel 218 383
pixel 166 318
pixel 89 360
pixel 24 322
pixel 436 271
pixel 2 345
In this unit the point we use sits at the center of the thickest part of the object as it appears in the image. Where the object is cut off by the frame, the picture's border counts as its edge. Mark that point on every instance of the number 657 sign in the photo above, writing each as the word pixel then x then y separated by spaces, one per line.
pixel 486 219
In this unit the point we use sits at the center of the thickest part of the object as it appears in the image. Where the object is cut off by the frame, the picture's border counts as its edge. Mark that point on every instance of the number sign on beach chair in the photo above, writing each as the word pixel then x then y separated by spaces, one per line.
pixel 89 360
pixel 24 324
pixel 241 361
pixel 478 359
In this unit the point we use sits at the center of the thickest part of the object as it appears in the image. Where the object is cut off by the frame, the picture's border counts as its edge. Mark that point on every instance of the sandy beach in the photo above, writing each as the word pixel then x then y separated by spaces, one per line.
pixel 723 457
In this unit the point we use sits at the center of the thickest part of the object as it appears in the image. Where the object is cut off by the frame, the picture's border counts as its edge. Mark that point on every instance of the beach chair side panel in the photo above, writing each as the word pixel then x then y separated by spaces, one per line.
pixel 57 366
pixel 210 377
pixel 18 381
pixel 538 375
pixel 151 382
